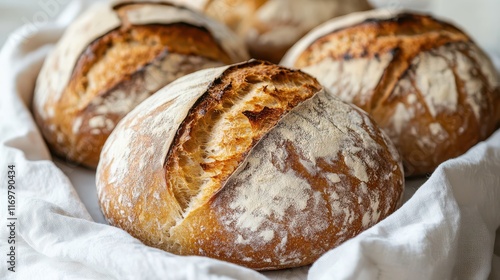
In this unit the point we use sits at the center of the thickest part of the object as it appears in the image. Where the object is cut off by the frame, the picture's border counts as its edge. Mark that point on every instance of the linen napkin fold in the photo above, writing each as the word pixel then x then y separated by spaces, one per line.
pixel 445 231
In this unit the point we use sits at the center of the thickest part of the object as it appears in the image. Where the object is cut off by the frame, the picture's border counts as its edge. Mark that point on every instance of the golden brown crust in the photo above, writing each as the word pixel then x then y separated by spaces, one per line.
pixel 404 36
pixel 460 128
pixel 373 36
pixel 253 164
pixel 129 49
pixel 116 72
pixel 442 117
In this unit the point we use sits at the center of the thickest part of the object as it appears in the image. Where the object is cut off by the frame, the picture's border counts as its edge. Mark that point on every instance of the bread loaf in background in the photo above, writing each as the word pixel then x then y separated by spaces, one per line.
pixel 253 164
pixel 113 57
pixel 425 82
pixel 271 27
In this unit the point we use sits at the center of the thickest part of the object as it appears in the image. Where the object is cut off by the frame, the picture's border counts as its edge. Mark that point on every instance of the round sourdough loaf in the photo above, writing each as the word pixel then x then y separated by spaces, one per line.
pixel 270 27
pixel 425 82
pixel 113 57
pixel 252 163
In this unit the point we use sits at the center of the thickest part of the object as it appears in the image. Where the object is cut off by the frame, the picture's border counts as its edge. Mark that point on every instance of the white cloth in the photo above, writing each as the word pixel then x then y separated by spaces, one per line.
pixel 446 230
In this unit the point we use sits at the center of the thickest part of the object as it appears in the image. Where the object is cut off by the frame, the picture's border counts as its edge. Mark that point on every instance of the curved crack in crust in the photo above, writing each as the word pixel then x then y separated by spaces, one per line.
pixel 446 123
pixel 385 86
pixel 403 37
pixel 401 64
pixel 130 50
pixel 226 123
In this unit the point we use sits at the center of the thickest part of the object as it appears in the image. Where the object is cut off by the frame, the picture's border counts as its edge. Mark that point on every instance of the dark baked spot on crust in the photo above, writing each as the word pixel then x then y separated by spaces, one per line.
pixel 257 118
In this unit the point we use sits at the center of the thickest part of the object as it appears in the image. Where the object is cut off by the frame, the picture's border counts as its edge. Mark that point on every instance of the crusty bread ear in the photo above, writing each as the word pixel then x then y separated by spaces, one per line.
pixel 114 57
pixel 252 163
pixel 425 82
pixel 224 125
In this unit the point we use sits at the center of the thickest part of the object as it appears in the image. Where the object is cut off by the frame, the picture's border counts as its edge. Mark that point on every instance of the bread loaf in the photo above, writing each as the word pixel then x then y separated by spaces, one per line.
pixel 252 163
pixel 270 27
pixel 113 57
pixel 425 82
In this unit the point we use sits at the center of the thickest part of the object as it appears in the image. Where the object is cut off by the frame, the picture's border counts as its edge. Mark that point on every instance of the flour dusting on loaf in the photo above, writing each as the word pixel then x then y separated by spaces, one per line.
pixel 368 71
pixel 315 172
pixel 274 184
